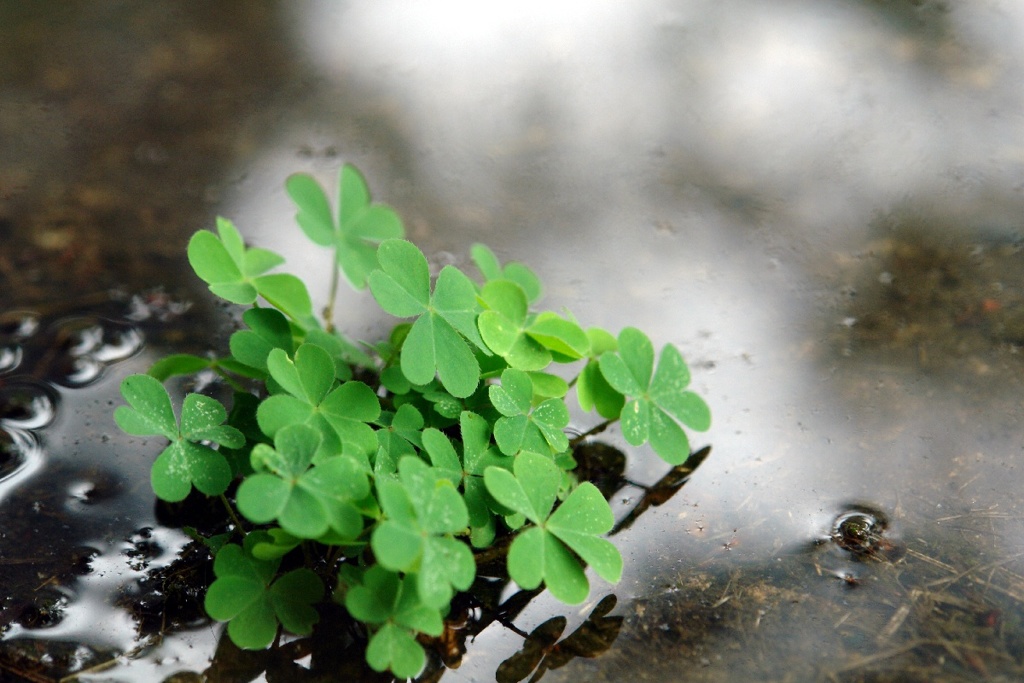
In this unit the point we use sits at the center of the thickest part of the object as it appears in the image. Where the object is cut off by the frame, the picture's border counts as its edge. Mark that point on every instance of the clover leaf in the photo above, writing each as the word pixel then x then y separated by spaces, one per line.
pixel 546 385
pixel 525 343
pixel 236 273
pixel 399 435
pixel 517 272
pixel 503 326
pixel 268 330
pixel 345 352
pixel 247 596
pixel 178 364
pixel 275 544
pixel 592 389
pixel 522 427
pixel 445 319
pixel 340 413
pixel 467 472
pixel 422 510
pixel 443 457
pixel 404 425
pixel 542 552
pixel 657 401
pixel 564 338
pixel 185 462
pixel 477 455
pixel 391 603
pixel 360 225
pixel 305 499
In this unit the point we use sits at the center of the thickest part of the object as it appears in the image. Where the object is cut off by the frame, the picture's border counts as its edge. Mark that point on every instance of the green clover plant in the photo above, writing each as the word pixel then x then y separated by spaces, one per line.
pixel 423 511
pixel 359 227
pixel 186 462
pixel 522 426
pixel 306 500
pixel 658 400
pixel 542 552
pixel 385 473
pixel 445 319
pixel 391 607
pixel 250 595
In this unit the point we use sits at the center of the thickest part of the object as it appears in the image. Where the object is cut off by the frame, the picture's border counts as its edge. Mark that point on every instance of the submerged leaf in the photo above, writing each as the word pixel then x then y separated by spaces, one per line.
pixel 246 595
pixel 384 599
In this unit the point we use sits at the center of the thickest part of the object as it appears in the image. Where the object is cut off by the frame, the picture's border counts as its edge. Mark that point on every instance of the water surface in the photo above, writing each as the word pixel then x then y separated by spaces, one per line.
pixel 817 203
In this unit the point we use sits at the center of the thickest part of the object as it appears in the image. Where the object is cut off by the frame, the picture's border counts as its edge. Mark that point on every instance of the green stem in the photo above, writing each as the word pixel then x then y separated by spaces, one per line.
pixel 333 555
pixel 329 308
pixel 593 430
pixel 492 552
pixel 230 380
pixel 231 513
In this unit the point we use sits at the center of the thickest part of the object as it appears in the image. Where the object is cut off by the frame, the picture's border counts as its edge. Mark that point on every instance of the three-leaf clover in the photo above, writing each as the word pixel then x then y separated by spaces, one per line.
pixel 392 604
pixel 445 319
pixel 422 510
pixel 656 401
pixel 305 499
pixel 399 435
pixel 247 595
pixel 542 552
pixel 360 225
pixel 340 413
pixel 538 429
pixel 526 342
pixel 237 273
pixel 186 462
pixel 565 339
pixel 517 272
pixel 503 326
pixel 268 330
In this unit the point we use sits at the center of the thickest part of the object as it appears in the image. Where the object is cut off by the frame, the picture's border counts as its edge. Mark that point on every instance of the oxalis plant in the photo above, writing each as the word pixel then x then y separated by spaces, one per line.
pixel 378 475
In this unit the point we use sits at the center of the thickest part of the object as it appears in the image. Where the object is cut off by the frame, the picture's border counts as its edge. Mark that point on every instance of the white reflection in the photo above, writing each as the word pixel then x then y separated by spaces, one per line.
pixel 24 456
pixel 836 109
pixel 689 168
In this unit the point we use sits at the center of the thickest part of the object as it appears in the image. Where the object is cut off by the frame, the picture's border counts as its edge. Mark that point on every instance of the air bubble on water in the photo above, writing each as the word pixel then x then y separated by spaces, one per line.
pixel 10 358
pixel 108 340
pixel 80 371
pixel 18 325
pixel 82 491
pixel 20 457
pixel 89 345
pixel 118 342
pixel 84 340
pixel 27 404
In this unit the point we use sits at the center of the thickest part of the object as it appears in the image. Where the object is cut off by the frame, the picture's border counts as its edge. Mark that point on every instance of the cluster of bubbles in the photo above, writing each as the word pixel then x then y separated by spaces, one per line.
pixel 39 359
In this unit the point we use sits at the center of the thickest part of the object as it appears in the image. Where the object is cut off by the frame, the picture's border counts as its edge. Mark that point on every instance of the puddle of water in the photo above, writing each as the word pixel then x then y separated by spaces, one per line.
pixel 818 203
